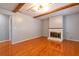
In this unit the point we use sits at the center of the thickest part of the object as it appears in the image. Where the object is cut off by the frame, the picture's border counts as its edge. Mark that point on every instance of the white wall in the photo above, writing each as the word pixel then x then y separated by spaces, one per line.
pixel 25 27
pixel 45 25
pixel 56 22
pixel 4 27
pixel 71 27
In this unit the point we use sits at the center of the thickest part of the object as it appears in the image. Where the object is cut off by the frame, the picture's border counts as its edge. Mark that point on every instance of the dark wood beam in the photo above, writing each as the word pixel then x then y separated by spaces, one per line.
pixel 58 9
pixel 18 7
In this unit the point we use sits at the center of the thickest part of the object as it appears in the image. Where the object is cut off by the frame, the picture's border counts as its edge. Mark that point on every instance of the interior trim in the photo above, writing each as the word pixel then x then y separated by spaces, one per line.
pixel 13 43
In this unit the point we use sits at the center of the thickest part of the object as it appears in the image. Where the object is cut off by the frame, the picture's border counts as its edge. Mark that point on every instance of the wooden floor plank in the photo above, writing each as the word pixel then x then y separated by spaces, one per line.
pixel 40 47
pixel 44 47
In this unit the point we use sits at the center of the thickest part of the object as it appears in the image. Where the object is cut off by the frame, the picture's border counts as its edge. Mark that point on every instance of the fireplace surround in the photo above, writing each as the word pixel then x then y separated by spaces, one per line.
pixel 56 34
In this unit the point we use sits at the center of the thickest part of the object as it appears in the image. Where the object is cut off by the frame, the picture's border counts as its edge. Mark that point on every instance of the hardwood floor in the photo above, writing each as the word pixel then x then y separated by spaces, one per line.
pixel 40 47
pixel 5 48
pixel 71 48
pixel 43 47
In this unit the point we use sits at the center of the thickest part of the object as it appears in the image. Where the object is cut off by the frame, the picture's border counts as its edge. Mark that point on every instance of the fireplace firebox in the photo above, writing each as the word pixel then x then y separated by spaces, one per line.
pixel 55 34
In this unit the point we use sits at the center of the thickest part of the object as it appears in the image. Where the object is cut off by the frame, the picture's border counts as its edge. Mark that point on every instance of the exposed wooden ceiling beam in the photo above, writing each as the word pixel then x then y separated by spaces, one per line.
pixel 58 9
pixel 18 7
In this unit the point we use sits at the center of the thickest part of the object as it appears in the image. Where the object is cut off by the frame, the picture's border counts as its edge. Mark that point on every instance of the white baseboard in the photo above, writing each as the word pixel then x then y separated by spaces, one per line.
pixel 72 40
pixel 25 40
pixel 4 41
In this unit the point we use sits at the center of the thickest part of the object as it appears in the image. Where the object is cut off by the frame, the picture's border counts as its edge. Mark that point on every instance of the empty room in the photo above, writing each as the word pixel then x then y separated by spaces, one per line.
pixel 37 29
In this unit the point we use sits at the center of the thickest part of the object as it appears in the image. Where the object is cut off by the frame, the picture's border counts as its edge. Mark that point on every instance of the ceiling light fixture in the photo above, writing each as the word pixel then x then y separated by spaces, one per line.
pixel 41 7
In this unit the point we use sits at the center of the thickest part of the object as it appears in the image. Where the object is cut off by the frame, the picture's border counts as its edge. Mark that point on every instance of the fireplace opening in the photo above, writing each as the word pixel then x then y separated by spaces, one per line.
pixel 55 34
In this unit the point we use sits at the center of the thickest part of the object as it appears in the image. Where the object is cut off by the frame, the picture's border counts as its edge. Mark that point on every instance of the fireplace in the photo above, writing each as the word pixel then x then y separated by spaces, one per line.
pixel 56 34
pixel 56 28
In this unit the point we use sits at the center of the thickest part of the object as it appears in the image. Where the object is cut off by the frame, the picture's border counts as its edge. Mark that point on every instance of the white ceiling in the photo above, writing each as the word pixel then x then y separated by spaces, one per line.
pixel 8 6
pixel 71 10
pixel 26 9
